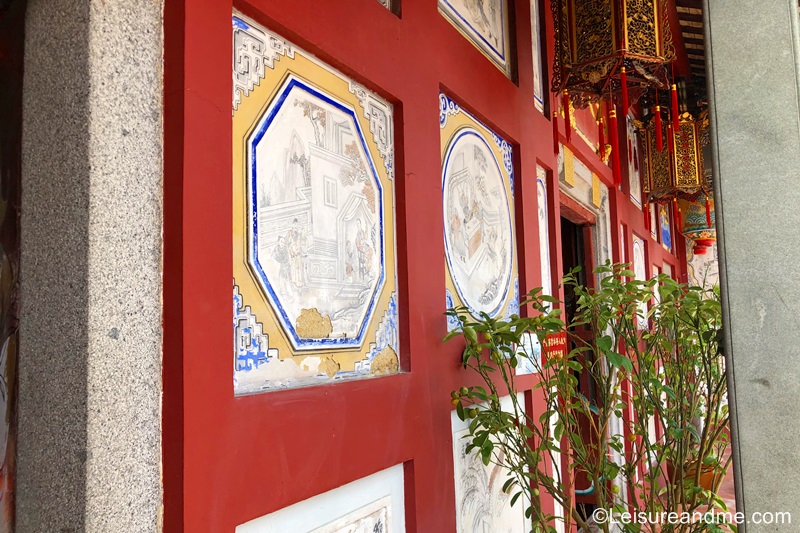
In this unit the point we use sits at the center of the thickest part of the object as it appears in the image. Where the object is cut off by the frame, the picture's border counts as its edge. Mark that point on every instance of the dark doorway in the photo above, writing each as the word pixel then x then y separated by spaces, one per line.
pixel 573 254
pixel 576 246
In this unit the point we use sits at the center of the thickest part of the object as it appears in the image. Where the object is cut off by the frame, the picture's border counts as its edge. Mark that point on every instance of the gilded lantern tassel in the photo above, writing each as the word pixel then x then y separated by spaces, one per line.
pixel 567 126
pixel 613 133
pixel 623 80
pixel 555 132
pixel 602 134
pixel 675 110
pixel 659 135
pixel 708 212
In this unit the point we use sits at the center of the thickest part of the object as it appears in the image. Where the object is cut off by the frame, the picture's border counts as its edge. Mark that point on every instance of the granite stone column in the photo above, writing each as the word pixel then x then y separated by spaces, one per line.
pixel 753 62
pixel 89 449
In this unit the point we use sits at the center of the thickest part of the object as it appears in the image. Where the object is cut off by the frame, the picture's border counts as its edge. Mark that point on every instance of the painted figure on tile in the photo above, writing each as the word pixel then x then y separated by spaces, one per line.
pixel 314 268
pixel 318 213
pixel 485 23
pixel 664 224
pixel 375 521
pixel 634 179
pixel 481 504
pixel 544 231
pixel 485 17
pixel 640 269
pixel 281 254
pixel 295 245
pixel 478 231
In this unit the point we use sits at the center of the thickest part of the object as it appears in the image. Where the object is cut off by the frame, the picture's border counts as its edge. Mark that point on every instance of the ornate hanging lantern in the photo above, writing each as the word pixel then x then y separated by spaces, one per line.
pixel 678 172
pixel 606 47
pixel 697 221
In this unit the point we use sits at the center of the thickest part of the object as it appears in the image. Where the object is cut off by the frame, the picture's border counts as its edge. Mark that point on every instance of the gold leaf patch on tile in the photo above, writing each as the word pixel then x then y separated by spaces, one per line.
pixel 311 324
pixel 329 366
pixel 385 363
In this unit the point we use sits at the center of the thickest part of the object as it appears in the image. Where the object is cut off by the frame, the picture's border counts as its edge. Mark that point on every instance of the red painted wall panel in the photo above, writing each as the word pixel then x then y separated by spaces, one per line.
pixel 228 460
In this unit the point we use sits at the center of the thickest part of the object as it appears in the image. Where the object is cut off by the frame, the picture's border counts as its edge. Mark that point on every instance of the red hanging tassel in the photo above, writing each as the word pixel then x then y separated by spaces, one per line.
pixel 623 80
pixel 670 139
pixel 675 110
pixel 567 126
pixel 659 137
pixel 613 133
pixel 676 214
pixel 555 132
pixel 708 212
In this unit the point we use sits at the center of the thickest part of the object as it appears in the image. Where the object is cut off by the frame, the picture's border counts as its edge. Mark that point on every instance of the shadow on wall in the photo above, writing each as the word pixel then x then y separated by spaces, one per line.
pixel 52 443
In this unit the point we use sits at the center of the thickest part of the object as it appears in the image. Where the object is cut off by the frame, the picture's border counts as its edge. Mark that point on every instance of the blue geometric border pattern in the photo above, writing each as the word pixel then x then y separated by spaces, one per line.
pixel 447 107
pixel 508 157
pixel 513 305
pixel 254 51
pixel 250 343
pixel 452 322
pixel 379 113
pixel 386 335
pixel 264 123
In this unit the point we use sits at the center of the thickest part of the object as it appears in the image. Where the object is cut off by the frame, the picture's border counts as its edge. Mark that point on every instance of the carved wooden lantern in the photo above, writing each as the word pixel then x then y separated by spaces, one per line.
pixel 678 170
pixel 605 47
pixel 676 174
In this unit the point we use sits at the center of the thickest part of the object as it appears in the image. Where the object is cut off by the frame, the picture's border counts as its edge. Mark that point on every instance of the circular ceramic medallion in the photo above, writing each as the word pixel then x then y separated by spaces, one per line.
pixel 478 226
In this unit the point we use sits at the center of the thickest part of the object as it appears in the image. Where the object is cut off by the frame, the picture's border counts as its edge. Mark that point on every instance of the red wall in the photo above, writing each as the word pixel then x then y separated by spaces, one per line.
pixel 228 460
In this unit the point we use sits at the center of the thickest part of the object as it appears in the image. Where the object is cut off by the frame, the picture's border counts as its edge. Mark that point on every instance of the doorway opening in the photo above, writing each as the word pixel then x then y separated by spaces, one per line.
pixel 576 247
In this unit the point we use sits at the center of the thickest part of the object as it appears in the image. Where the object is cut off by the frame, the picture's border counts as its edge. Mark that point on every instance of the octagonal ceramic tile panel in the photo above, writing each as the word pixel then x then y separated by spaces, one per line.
pixel 316 201
pixel 314 245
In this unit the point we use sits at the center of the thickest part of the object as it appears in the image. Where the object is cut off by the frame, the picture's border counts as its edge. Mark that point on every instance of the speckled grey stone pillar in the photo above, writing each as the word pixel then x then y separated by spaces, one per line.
pixel 753 51
pixel 90 347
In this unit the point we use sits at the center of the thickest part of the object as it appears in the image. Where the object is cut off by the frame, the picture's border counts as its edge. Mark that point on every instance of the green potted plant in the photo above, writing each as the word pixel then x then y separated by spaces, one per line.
pixel 636 404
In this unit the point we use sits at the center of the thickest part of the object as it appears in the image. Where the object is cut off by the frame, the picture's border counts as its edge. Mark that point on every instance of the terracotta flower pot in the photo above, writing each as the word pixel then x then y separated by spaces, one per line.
pixel 709 478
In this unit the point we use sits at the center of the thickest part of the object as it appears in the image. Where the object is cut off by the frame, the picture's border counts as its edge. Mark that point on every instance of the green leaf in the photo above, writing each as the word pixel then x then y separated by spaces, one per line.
pixel 604 343
pixel 452 334
pixel 558 430
pixel 486 452
pixel 619 361
pixel 470 334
